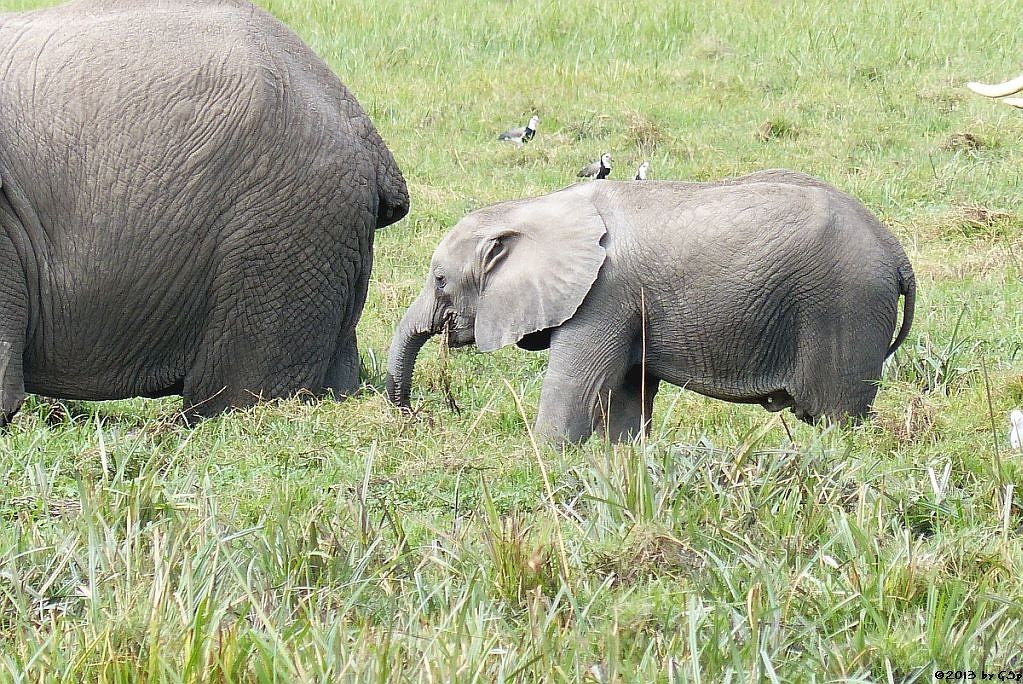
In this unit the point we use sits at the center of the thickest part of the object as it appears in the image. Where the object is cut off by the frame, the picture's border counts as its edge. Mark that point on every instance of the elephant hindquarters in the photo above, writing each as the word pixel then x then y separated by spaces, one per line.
pixel 282 317
pixel 840 355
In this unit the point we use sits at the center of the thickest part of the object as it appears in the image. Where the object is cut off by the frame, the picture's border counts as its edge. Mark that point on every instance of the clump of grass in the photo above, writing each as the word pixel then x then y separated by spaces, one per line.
pixel 945 367
pixel 647 554
pixel 776 129
pixel 913 424
pixel 518 564
pixel 975 222
pixel 592 126
pixel 644 134
pixel 1012 388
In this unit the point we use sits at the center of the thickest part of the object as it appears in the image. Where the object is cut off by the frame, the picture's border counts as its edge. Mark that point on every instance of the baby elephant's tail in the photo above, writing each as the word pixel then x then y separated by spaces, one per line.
pixel 907 288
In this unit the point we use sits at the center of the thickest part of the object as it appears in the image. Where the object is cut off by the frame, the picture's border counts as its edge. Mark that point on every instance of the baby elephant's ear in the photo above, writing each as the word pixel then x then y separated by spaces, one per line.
pixel 537 262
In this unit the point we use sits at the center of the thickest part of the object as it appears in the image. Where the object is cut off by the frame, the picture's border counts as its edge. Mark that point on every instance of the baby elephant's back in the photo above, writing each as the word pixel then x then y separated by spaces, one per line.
pixel 744 234
pixel 734 273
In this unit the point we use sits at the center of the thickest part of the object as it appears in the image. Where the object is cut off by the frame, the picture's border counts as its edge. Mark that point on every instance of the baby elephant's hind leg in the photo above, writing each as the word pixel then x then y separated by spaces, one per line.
pixel 845 400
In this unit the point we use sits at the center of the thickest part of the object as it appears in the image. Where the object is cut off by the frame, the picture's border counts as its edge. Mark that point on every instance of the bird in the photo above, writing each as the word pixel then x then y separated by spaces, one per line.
pixel 598 170
pixel 641 171
pixel 1016 429
pixel 520 136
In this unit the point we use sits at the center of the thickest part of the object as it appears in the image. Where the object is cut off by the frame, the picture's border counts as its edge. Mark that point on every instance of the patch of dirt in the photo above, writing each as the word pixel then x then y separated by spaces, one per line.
pixel 712 49
pixel 649 555
pixel 963 142
pixel 981 217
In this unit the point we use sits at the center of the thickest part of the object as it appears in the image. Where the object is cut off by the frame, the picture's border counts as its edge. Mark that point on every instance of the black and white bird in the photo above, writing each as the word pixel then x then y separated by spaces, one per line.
pixel 522 135
pixel 641 171
pixel 598 170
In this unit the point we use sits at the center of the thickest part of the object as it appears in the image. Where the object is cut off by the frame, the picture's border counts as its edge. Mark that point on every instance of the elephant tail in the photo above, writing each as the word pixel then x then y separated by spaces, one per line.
pixel 907 288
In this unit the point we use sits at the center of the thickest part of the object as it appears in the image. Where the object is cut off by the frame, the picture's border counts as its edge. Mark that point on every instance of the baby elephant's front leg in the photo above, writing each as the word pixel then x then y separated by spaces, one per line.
pixel 566 410
pixel 582 369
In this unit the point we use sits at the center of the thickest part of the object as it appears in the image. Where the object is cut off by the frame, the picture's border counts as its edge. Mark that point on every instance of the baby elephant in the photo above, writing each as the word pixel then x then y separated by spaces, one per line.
pixel 773 288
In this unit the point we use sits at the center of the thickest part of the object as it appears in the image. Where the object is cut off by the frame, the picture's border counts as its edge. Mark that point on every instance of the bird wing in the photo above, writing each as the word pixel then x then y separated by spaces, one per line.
pixel 589 170
pixel 512 133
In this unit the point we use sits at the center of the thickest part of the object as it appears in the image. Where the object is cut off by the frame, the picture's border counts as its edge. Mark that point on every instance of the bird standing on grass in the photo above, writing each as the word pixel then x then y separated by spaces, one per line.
pixel 519 136
pixel 598 170
pixel 641 171
pixel 1016 429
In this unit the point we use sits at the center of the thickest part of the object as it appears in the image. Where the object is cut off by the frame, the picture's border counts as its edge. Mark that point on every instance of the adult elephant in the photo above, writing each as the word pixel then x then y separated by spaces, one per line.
pixel 188 197
pixel 774 288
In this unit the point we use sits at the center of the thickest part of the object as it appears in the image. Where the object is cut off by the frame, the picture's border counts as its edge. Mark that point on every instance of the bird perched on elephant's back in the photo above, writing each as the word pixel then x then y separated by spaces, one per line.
pixel 189 197
pixel 773 289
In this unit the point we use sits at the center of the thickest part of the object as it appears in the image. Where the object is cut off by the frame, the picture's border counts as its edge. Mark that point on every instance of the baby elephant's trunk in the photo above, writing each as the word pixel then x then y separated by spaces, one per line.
pixel 415 329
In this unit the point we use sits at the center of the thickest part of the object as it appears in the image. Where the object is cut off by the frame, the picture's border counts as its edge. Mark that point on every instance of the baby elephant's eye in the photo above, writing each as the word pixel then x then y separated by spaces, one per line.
pixel 440 281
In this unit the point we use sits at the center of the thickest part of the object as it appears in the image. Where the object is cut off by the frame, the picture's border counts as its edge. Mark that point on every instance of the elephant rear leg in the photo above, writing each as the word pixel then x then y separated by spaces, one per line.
pixel 828 389
pixel 343 374
pixel 12 381
pixel 242 373
pixel 259 347
pixel 14 322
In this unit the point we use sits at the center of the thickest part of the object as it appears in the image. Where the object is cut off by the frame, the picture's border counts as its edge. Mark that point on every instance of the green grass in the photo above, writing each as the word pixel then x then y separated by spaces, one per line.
pixel 342 541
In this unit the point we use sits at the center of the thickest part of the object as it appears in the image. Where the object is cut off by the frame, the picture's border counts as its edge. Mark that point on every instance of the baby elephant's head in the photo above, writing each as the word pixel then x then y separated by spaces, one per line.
pixel 502 273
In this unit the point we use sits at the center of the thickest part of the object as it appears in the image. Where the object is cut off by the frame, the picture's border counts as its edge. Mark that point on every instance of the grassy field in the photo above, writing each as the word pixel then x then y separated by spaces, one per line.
pixel 342 541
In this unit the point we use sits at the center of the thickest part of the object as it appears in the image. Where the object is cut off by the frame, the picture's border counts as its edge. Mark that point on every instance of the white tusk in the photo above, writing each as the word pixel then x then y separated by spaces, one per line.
pixel 1014 101
pixel 998 89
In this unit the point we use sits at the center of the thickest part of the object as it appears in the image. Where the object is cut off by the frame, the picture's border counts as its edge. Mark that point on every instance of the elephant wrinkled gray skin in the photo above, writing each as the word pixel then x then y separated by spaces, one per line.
pixel 188 197
pixel 773 288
